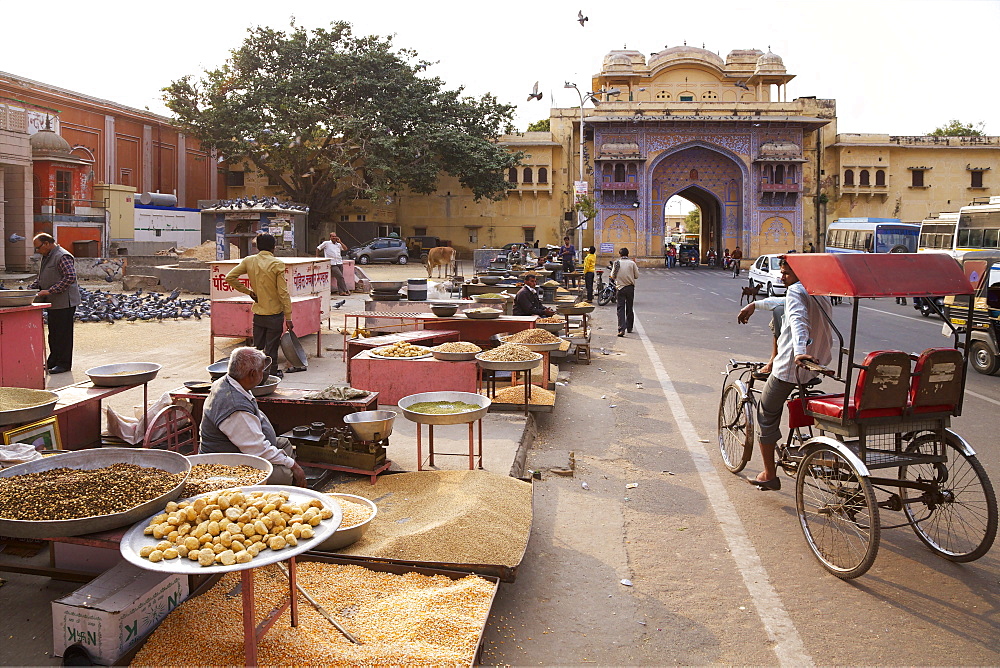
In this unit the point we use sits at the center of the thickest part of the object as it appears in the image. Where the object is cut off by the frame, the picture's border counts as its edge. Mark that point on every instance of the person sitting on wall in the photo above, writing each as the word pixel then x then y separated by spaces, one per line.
pixel 232 421
pixel 526 301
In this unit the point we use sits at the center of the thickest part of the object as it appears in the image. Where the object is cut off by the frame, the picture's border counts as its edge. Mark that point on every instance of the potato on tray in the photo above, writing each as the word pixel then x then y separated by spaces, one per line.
pixel 231 527
pixel 401 349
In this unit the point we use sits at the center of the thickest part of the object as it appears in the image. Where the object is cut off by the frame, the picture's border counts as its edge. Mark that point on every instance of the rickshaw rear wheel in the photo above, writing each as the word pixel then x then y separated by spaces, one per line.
pixel 837 512
pixel 958 520
pixel 736 428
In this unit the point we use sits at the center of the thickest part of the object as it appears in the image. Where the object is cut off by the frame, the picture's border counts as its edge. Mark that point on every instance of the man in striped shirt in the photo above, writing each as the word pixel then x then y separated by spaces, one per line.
pixel 57 285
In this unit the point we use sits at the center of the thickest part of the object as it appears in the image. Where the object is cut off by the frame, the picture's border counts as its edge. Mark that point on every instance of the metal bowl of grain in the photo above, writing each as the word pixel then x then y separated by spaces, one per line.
pixel 459 399
pixel 127 373
pixel 490 280
pixel 456 351
pixel 10 298
pixel 352 532
pixel 444 310
pixel 89 495
pixel 19 405
pixel 484 313
pixel 554 327
pixel 511 365
pixel 221 470
pixel 535 347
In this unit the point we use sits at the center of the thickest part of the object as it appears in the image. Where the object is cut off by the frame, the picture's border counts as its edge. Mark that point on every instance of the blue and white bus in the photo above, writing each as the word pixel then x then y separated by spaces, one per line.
pixel 872 235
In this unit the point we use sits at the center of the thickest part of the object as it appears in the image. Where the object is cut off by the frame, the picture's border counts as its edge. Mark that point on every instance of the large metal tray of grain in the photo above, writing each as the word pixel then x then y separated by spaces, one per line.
pixel 472 521
pixel 19 405
pixel 127 373
pixel 574 309
pixel 166 460
pixel 520 337
pixel 445 418
pixel 10 298
pixel 497 365
pixel 407 636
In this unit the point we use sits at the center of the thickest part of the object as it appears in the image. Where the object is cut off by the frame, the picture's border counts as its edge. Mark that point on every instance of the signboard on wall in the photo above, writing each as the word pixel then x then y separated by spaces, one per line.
pixel 607 248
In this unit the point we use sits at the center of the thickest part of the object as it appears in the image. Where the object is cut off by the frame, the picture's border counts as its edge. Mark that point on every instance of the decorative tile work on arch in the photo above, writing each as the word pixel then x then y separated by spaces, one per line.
pixel 738 143
pixel 619 229
pixel 776 236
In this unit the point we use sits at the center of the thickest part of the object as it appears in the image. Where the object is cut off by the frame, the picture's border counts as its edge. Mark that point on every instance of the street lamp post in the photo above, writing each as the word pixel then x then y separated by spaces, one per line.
pixel 592 96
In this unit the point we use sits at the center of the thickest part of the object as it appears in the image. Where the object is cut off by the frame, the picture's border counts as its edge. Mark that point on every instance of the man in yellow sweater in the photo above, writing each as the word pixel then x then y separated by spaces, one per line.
pixel 272 307
pixel 589 266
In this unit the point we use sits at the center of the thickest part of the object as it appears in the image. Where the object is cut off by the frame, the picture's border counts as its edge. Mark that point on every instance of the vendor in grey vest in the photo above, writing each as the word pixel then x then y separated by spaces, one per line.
pixel 57 284
pixel 232 421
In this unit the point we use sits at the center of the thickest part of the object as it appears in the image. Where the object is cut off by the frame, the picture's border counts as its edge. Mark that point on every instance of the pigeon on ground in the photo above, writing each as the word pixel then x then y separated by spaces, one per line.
pixel 339 304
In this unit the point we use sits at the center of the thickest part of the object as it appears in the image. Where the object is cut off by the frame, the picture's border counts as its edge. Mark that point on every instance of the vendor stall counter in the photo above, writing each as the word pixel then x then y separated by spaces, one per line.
pixel 287 407
pixel 22 347
pixel 232 317
pixel 395 378
pixel 79 412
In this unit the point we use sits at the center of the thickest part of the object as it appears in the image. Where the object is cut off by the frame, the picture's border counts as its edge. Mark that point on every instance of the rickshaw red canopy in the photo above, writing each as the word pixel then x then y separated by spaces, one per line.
pixel 879 274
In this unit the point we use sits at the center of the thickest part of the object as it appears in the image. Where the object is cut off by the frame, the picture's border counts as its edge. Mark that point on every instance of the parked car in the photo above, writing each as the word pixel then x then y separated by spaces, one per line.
pixel 766 273
pixel 420 246
pixel 381 249
pixel 687 255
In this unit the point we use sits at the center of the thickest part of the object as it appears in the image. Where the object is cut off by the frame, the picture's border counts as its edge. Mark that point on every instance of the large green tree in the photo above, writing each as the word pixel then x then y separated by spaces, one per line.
pixel 692 221
pixel 330 116
pixel 956 128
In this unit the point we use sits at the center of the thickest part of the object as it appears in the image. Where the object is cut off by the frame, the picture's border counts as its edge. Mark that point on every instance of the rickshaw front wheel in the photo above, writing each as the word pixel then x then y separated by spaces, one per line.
pixel 837 512
pixel 957 518
pixel 736 428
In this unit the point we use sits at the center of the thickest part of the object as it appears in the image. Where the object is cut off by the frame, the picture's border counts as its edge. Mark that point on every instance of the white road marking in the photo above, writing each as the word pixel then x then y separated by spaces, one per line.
pixel 777 623
pixel 979 396
pixel 898 315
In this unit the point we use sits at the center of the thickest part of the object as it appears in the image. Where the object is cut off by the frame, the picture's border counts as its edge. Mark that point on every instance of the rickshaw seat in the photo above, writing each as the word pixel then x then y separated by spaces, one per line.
pixel 882 389
pixel 936 386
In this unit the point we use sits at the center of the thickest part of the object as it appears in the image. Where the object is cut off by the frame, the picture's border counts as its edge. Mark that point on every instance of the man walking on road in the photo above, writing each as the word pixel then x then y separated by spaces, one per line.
pixel 272 306
pixel 333 250
pixel 805 335
pixel 58 286
pixel 625 274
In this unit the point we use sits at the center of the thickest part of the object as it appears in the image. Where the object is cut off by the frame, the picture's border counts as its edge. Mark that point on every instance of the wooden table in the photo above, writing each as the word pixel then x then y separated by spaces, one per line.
pixel 79 412
pixel 286 408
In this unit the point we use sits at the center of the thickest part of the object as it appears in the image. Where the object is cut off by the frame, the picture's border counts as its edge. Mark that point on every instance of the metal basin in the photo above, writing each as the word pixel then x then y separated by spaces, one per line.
pixel 386 286
pixel 341 538
pixel 218 369
pixel 371 425
pixel 444 310
pixel 31 413
pixel 453 357
pixel 96 458
pixel 448 418
pixel 17 297
pixel 292 350
pixel 128 373
pixel 490 280
pixel 496 365
pixel 478 315
pixel 554 327
pixel 534 347
pixel 267 387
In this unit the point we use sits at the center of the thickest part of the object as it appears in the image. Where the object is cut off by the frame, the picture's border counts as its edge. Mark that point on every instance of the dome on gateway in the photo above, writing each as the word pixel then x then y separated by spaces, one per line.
pixel 770 63
pixel 685 52
pixel 624 59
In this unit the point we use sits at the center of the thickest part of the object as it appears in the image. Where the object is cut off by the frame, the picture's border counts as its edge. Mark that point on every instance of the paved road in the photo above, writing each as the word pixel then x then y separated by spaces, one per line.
pixel 720 572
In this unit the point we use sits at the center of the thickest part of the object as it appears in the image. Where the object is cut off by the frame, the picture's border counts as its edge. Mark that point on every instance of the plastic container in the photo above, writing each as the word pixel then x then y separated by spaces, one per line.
pixel 416 289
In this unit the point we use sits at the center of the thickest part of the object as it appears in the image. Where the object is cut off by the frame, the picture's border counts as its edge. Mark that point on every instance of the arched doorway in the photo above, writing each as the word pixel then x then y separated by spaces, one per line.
pixel 712 179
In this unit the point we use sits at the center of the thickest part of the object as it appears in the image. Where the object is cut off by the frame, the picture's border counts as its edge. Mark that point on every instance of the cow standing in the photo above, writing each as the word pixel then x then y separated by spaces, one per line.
pixel 441 256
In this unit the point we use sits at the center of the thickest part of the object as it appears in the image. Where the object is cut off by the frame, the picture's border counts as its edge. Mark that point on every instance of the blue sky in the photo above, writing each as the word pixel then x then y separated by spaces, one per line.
pixel 894 66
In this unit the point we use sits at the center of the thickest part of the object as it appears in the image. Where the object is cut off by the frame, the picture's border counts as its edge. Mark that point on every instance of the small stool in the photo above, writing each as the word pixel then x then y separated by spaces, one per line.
pixel 583 353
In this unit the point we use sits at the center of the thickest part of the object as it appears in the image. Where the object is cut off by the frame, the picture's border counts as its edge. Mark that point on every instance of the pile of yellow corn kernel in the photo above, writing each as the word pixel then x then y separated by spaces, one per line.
pixel 231 527
pixel 400 620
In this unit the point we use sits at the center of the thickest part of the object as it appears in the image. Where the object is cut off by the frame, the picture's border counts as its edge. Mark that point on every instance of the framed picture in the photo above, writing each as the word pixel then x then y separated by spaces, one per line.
pixel 44 434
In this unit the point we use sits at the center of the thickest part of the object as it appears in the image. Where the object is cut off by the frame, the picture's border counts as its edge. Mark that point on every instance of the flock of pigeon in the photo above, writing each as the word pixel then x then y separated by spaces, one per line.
pixel 104 306
pixel 259 203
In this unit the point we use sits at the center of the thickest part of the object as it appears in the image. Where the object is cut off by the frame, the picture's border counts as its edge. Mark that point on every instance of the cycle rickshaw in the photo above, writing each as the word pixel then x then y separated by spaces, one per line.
pixel 885 443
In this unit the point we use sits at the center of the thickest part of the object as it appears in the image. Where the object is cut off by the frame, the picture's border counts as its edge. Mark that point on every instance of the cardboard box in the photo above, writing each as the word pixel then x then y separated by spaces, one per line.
pixel 113 612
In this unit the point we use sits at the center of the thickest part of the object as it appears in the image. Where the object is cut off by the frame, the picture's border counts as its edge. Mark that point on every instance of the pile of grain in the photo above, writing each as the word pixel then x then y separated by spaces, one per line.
pixel 212 477
pixel 457 347
pixel 18 398
pixel 533 336
pixel 354 513
pixel 67 494
pixel 515 395
pixel 551 320
pixel 402 620
pixel 508 352
pixel 462 517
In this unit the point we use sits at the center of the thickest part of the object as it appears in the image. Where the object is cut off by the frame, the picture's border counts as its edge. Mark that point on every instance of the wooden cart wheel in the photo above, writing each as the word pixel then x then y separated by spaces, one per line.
pixel 178 431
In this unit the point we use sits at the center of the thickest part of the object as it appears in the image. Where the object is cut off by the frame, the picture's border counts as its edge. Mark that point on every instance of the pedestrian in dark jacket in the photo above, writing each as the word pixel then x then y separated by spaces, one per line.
pixel 58 286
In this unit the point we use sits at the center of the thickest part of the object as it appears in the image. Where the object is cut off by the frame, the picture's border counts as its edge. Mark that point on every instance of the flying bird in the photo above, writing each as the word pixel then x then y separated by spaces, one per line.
pixel 581 18
pixel 741 84
pixel 534 95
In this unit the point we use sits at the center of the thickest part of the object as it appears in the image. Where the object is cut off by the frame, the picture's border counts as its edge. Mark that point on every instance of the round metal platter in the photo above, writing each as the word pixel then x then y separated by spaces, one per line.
pixel 111 375
pixel 134 539
pixel 31 413
pixel 447 418
pixel 479 315
pixel 10 298
pixel 453 357
pixel 234 459
pixel 574 310
pixel 389 357
pixel 535 347
pixel 267 388
pixel 493 365
pixel 96 458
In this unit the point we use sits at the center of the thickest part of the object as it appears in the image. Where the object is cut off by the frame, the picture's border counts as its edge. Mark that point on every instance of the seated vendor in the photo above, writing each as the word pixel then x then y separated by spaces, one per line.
pixel 526 302
pixel 232 421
